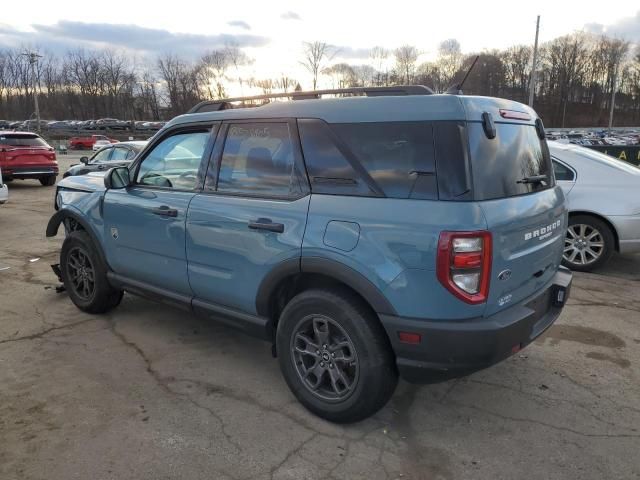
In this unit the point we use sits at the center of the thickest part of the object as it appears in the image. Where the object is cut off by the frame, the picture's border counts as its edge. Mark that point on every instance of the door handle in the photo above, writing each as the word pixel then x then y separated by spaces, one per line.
pixel 165 211
pixel 266 224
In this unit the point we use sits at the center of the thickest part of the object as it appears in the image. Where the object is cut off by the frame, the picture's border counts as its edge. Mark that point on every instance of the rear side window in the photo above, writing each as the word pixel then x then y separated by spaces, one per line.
pixel 501 165
pixel 22 140
pixel 394 159
pixel 258 160
pixel 329 170
pixel 398 156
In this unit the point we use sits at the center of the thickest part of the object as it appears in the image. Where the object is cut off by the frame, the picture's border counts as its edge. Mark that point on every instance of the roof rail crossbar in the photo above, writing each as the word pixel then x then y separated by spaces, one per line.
pixel 225 103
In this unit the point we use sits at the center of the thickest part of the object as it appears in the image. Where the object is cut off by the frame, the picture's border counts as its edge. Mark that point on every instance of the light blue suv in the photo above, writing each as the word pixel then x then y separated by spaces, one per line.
pixel 384 232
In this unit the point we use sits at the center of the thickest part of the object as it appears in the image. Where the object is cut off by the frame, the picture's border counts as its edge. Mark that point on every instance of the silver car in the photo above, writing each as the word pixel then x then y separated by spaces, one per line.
pixel 604 205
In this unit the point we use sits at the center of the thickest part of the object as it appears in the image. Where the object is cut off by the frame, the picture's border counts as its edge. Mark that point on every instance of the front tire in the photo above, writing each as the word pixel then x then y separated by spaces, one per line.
pixel 85 275
pixel 588 244
pixel 335 356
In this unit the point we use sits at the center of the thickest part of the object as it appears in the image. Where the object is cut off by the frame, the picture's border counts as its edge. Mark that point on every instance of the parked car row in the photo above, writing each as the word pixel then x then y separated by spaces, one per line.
pixel 597 137
pixel 111 124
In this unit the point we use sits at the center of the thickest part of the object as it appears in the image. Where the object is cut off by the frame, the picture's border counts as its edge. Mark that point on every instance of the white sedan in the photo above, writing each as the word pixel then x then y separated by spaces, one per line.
pixel 603 201
pixel 4 191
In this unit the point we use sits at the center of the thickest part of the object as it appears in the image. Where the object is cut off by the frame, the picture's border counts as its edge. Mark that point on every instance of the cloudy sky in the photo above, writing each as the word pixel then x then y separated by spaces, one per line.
pixel 272 31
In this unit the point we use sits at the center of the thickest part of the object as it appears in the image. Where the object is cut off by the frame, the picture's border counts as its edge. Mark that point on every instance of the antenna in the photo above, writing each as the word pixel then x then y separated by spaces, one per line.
pixel 456 88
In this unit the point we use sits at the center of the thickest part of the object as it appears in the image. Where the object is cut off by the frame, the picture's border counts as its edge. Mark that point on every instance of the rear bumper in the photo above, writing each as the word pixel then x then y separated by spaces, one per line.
pixel 452 348
pixel 29 171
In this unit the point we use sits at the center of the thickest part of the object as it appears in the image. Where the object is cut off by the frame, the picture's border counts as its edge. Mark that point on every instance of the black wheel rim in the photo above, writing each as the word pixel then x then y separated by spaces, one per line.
pixel 325 358
pixel 81 273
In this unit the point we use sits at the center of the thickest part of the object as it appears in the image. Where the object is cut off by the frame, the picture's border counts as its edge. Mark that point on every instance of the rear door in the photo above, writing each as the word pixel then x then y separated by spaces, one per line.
pixel 525 211
pixel 251 215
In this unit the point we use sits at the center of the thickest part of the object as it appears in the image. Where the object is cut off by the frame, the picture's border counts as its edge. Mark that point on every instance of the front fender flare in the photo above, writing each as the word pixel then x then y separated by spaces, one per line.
pixel 56 220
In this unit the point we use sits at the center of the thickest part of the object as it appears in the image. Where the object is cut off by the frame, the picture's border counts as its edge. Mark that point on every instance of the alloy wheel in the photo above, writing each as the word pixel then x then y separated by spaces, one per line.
pixel 583 244
pixel 81 273
pixel 325 358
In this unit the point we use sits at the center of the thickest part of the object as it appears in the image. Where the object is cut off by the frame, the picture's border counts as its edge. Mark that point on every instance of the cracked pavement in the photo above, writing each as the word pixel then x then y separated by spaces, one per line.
pixel 148 392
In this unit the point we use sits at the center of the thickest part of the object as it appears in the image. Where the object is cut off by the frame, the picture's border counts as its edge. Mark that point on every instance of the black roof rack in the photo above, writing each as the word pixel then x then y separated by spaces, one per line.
pixel 225 103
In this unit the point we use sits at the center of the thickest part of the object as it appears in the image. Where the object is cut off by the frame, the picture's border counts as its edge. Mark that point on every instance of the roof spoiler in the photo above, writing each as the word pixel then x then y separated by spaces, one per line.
pixel 226 103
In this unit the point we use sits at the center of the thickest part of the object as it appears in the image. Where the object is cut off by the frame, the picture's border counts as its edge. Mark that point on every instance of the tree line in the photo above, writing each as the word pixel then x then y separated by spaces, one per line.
pixel 576 77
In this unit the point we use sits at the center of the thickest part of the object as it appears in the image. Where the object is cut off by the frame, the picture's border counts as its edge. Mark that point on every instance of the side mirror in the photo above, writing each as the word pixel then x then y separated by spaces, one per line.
pixel 84 160
pixel 117 177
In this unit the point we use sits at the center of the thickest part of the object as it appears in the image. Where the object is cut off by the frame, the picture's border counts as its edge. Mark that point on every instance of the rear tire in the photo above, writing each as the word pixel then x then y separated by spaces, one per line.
pixel 85 275
pixel 335 355
pixel 589 243
pixel 48 181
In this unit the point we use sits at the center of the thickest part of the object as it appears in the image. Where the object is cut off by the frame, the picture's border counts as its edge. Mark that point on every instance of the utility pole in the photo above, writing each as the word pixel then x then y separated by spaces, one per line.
pixel 33 59
pixel 613 98
pixel 532 83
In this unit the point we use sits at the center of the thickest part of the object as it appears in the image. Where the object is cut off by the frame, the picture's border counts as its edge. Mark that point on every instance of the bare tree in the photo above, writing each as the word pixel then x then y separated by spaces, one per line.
pixel 449 60
pixel 406 57
pixel 342 75
pixel 315 56
pixel 379 56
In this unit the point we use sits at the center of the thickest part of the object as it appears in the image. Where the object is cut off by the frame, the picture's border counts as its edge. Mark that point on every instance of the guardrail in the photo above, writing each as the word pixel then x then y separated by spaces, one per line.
pixel 627 153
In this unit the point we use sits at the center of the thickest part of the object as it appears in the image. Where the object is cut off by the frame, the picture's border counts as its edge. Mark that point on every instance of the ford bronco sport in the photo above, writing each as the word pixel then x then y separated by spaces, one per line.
pixel 388 232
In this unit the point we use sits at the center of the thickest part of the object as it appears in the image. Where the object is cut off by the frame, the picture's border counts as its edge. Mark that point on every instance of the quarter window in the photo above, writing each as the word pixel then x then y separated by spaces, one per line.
pixel 398 156
pixel 562 172
pixel 174 162
pixel 329 171
pixel 258 159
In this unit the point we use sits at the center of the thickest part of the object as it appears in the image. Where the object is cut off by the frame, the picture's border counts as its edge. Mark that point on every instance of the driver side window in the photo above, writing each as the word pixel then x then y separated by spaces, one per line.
pixel 174 162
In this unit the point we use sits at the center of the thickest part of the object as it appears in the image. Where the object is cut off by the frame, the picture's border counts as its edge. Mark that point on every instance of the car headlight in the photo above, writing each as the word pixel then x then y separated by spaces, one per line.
pixel 58 200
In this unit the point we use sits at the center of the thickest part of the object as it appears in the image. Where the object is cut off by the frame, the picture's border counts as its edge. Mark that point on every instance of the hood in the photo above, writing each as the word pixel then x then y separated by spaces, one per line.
pixel 91 182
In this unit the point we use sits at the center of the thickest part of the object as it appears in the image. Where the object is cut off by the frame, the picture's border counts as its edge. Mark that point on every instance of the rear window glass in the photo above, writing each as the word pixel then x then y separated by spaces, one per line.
pixel 500 166
pixel 20 140
pixel 398 156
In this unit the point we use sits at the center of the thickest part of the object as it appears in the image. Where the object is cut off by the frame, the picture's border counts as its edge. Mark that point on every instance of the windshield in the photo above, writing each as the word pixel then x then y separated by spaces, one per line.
pixel 22 140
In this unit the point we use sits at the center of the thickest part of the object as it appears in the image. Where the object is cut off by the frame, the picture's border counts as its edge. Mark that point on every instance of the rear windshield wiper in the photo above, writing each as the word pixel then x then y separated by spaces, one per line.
pixel 534 179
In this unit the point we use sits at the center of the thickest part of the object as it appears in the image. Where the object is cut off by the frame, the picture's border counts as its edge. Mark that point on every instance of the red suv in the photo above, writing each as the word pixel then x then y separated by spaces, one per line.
pixel 26 155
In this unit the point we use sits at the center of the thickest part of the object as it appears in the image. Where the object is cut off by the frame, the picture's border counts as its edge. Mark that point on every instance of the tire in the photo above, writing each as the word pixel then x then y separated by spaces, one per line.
pixel 79 258
pixel 48 181
pixel 589 243
pixel 361 355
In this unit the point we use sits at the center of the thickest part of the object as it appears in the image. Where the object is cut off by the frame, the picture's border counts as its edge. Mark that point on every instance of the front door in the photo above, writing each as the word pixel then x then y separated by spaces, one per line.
pixel 145 223
pixel 253 218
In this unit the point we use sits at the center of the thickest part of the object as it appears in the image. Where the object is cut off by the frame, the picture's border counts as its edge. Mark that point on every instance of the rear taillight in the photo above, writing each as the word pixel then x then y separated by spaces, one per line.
pixel 464 264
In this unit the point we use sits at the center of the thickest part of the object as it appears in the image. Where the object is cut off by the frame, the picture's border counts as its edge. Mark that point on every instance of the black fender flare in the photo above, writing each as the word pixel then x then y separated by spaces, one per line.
pixel 324 266
pixel 56 220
